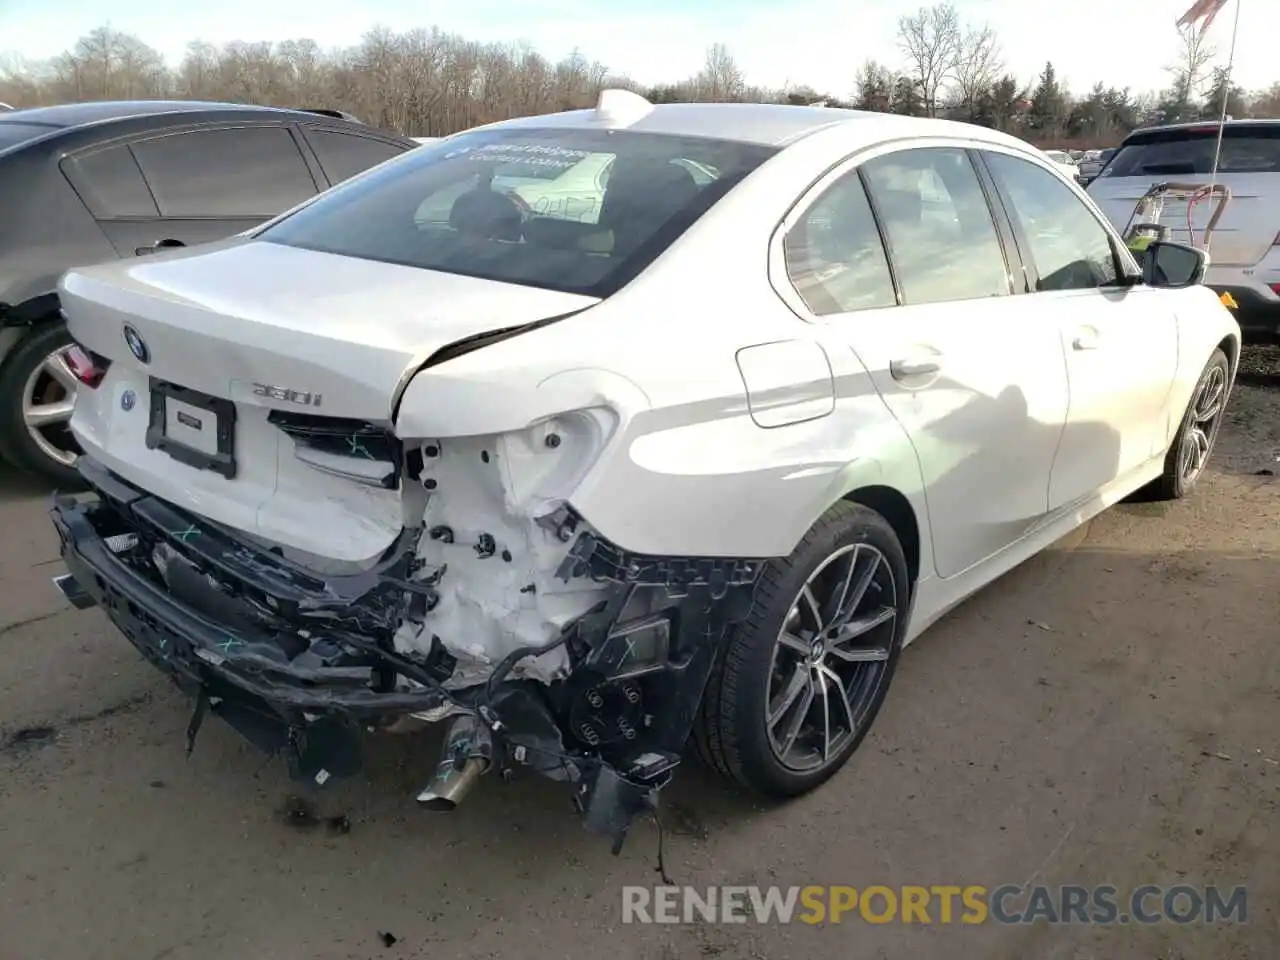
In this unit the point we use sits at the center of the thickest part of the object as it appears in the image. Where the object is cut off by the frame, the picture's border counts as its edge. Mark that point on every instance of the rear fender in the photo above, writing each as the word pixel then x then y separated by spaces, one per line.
pixel 896 468
pixel 29 311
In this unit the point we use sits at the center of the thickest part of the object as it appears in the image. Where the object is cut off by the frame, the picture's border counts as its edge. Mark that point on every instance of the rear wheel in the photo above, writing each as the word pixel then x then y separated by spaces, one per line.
pixel 1193 445
pixel 37 396
pixel 802 679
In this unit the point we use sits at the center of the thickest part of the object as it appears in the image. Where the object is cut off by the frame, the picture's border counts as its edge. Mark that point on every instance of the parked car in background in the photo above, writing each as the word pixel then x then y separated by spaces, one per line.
pixel 695 463
pixel 81 183
pixel 5 106
pixel 1093 162
pixel 1063 159
pixel 1245 243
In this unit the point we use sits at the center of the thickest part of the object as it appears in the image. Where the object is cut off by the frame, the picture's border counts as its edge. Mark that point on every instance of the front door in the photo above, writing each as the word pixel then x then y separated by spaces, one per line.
pixel 976 379
pixel 1120 341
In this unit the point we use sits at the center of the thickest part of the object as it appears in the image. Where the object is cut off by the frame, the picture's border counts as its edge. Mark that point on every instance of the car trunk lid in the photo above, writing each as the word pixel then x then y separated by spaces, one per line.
pixel 298 356
pixel 338 332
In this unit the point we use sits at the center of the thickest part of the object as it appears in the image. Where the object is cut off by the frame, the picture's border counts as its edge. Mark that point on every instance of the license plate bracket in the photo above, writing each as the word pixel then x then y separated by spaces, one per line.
pixel 200 418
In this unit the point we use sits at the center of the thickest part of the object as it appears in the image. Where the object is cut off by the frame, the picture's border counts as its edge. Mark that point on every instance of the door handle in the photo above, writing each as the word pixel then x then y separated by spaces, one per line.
pixel 166 244
pixel 1085 340
pixel 901 369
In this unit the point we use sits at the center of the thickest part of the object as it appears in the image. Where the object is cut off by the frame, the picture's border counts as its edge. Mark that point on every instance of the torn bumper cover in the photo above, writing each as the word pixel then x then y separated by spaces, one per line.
pixel 301 663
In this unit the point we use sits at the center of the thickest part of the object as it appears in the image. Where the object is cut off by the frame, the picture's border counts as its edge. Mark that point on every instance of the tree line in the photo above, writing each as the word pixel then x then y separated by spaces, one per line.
pixel 429 82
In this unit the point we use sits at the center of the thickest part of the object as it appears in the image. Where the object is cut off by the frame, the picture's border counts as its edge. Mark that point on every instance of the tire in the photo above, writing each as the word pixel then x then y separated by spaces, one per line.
pixel 732 731
pixel 19 446
pixel 1176 482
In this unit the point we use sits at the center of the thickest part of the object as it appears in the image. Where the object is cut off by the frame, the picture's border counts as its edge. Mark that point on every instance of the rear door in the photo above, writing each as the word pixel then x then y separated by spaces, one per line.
pixel 192 186
pixel 1120 341
pixel 1249 166
pixel 976 379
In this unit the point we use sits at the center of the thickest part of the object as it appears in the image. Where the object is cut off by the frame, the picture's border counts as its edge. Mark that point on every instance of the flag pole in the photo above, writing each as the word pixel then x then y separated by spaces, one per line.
pixel 1226 96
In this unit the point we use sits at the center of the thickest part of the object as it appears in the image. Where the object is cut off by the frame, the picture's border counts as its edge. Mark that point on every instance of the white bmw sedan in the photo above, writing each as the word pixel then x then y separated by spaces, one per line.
pixel 689 450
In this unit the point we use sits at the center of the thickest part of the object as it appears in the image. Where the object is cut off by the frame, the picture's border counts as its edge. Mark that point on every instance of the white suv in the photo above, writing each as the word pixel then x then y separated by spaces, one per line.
pixel 1244 247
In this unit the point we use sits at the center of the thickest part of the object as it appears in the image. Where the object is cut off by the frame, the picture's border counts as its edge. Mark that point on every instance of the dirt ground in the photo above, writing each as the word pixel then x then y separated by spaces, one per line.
pixel 1107 713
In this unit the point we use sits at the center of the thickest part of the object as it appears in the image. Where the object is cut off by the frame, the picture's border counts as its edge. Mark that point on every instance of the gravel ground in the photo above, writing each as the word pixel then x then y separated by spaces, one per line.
pixel 1104 714
pixel 1250 438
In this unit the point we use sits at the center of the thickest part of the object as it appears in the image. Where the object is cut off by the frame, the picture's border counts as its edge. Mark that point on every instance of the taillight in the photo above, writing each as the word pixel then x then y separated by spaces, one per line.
pixel 88 368
pixel 1275 288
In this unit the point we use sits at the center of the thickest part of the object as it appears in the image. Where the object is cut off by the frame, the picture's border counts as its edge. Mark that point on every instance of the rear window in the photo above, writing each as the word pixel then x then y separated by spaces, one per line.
pixel 343 155
pixel 12 134
pixel 1189 152
pixel 582 211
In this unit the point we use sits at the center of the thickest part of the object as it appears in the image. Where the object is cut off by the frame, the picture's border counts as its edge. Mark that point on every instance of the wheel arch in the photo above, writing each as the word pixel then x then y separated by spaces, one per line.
pixel 900 514
pixel 23 317
pixel 1230 345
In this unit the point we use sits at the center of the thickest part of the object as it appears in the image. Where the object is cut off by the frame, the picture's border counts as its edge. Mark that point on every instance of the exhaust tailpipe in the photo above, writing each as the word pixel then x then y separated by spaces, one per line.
pixel 467 754
pixel 76 595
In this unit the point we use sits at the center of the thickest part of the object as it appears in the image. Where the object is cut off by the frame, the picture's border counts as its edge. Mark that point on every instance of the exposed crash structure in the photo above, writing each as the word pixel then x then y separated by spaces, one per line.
pixel 544 644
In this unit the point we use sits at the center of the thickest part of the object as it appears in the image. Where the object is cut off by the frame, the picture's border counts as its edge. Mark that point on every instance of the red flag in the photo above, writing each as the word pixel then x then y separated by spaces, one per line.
pixel 1204 10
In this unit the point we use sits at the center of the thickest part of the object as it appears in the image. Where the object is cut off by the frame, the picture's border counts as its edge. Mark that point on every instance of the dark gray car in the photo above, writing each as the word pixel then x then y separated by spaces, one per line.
pixel 83 183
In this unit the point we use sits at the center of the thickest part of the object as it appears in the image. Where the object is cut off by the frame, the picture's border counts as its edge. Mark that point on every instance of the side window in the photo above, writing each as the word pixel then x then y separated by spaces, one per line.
pixel 834 255
pixel 343 155
pixel 243 172
pixel 1070 248
pixel 938 225
pixel 112 184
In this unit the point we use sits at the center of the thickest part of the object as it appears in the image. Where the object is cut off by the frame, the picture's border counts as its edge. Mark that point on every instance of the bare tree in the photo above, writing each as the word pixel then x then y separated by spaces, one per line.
pixel 873 87
pixel 427 82
pixel 198 73
pixel 1195 56
pixel 720 79
pixel 978 65
pixel 931 39
pixel 1266 103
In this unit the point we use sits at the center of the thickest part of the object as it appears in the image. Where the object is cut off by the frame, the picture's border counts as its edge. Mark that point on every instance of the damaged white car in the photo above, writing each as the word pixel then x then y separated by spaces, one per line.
pixel 692 462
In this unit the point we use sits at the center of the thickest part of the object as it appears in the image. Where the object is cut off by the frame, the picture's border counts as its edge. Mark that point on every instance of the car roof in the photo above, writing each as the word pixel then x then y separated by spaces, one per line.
pixel 1201 125
pixel 769 124
pixel 78 114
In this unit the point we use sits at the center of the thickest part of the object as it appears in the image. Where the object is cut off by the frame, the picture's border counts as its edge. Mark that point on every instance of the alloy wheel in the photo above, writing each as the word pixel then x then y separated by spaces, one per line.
pixel 1202 426
pixel 48 399
pixel 831 657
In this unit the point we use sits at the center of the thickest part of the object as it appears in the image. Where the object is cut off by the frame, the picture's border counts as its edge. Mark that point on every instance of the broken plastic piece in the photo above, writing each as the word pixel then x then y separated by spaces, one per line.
pixel 197 718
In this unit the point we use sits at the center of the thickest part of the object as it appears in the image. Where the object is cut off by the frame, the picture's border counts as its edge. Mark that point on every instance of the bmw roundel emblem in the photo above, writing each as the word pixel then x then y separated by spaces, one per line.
pixel 137 346
pixel 127 400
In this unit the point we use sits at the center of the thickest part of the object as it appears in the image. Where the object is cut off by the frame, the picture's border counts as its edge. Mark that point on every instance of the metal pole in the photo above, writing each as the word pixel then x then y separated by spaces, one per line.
pixel 1226 97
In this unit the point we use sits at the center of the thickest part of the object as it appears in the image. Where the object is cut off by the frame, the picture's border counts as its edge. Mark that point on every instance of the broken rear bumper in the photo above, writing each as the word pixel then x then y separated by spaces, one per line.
pixel 300 662
pixel 237 656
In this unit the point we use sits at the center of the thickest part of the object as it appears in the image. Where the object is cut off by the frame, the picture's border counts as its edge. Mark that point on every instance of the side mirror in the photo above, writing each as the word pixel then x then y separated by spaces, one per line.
pixel 1173 265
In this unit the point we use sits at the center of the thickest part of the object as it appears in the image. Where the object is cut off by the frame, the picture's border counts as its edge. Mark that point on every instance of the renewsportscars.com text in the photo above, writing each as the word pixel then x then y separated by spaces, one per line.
pixel 936 904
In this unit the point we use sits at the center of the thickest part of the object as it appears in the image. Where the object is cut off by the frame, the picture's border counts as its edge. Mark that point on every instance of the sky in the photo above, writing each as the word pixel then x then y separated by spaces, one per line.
pixel 776 42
